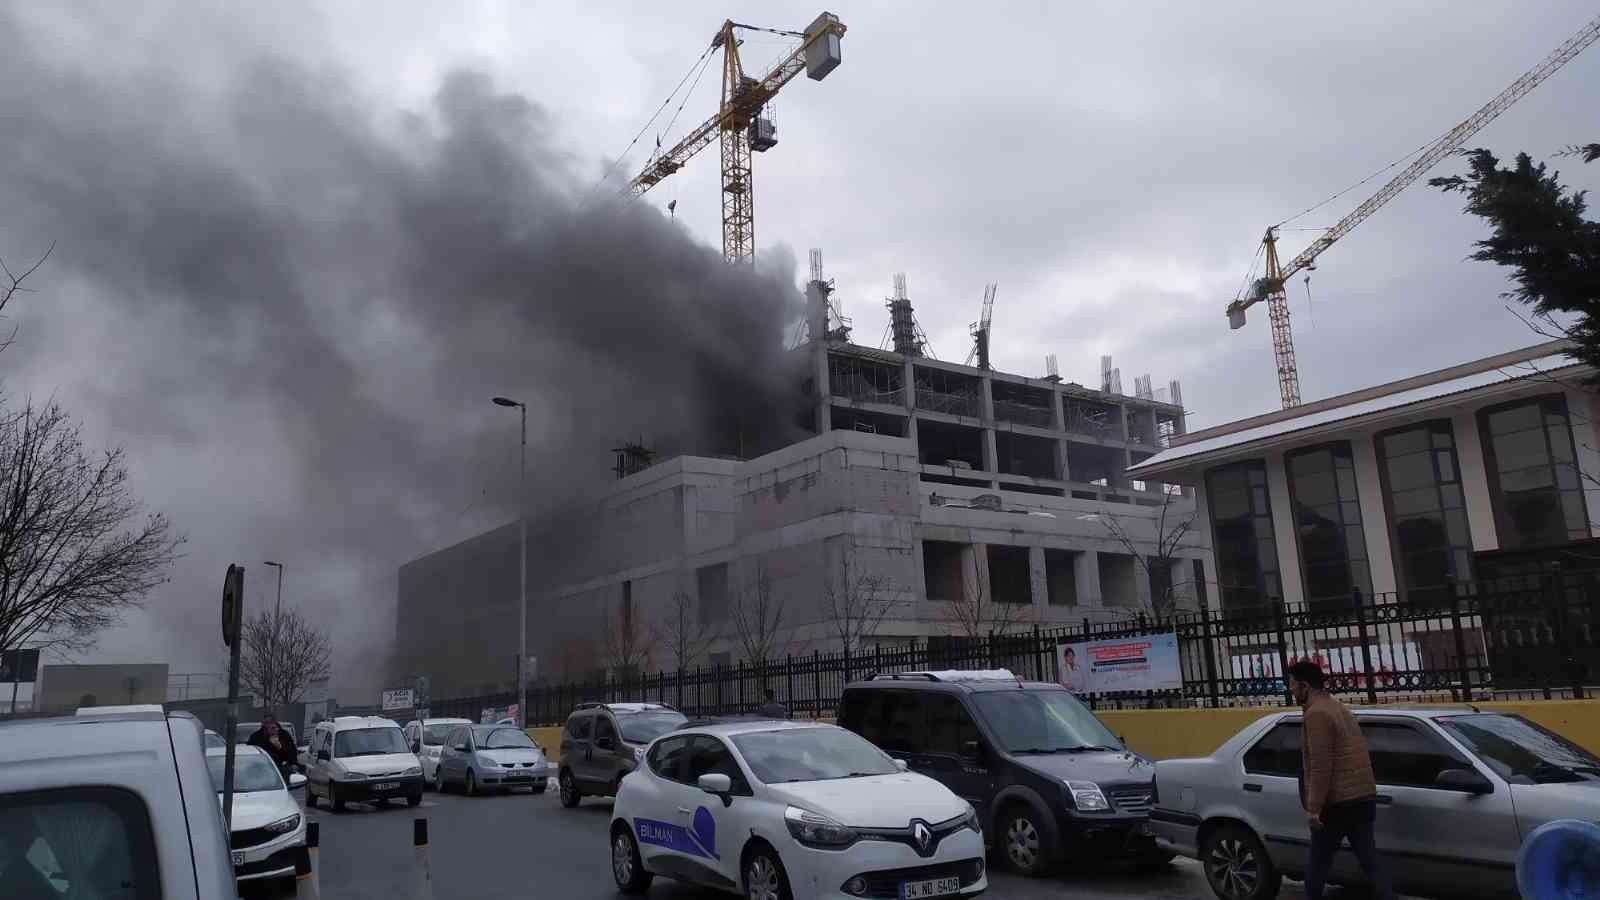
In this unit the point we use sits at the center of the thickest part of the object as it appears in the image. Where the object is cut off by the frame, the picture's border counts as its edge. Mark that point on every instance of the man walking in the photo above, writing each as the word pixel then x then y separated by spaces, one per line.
pixel 1337 788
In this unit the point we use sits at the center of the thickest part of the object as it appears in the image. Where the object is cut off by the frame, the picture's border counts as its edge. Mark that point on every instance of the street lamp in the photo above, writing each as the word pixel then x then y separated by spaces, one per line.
pixel 279 567
pixel 277 625
pixel 522 542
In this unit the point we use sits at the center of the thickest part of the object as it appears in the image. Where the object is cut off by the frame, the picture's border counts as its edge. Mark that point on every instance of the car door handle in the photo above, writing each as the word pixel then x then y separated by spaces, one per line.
pixel 686 810
pixel 1252 787
pixel 1385 800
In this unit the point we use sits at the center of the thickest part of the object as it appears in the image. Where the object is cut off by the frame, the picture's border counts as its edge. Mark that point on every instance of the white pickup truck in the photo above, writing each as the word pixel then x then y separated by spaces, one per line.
pixel 110 802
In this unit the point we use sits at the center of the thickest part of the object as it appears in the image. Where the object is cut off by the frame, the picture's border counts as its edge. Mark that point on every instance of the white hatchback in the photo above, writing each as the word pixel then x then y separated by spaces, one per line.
pixel 267 824
pixel 775 810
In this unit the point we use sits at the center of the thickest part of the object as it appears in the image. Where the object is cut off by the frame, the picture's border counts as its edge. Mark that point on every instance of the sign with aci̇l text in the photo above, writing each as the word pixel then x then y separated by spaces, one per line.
pixel 1148 662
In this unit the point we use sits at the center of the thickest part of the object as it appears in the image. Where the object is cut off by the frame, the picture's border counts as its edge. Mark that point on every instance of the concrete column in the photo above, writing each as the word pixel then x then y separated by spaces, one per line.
pixel 1283 529
pixel 1374 519
pixel 908 381
pixel 991 458
pixel 819 374
pixel 1063 472
pixel 1474 481
pixel 975 571
pixel 1038 583
pixel 1086 578
pixel 1142 599
pixel 1121 479
pixel 986 399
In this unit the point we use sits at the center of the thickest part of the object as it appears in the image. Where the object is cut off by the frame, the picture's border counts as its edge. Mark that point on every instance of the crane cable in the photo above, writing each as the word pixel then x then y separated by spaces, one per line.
pixel 624 155
pixel 1363 181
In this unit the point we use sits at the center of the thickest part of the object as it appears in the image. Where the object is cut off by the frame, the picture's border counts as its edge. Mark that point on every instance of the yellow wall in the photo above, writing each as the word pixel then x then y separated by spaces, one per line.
pixel 1170 733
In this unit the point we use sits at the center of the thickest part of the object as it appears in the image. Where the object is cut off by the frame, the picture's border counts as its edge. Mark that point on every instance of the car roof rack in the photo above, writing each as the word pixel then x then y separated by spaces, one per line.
pixel 950 675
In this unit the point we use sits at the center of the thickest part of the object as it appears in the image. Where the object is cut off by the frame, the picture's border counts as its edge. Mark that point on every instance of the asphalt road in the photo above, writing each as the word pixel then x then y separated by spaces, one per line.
pixel 524 845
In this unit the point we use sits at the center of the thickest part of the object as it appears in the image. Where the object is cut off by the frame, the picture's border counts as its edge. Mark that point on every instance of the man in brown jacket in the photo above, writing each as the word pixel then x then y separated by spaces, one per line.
pixel 1337 789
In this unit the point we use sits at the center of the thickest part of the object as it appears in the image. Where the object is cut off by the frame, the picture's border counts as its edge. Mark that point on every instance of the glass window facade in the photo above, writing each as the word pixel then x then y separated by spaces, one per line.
pixel 1241 522
pixel 1533 473
pixel 1428 531
pixel 1327 518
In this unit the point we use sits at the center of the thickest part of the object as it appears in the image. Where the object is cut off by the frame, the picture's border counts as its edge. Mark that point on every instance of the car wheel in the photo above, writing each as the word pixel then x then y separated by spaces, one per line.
pixel 569 791
pixel 1237 866
pixel 311 798
pixel 438 779
pixel 1024 842
pixel 470 786
pixel 334 800
pixel 626 867
pixel 764 876
pixel 414 799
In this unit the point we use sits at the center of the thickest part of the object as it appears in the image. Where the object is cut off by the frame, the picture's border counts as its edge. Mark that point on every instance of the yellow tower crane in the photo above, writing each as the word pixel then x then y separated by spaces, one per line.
pixel 1270 286
pixel 742 127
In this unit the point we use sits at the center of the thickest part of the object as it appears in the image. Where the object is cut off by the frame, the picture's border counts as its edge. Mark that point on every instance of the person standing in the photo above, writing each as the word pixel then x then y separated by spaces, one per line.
pixel 772 709
pixel 1337 788
pixel 272 738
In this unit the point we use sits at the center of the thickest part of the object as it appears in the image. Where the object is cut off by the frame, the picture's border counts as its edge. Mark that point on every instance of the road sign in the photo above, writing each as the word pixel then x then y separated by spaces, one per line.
pixel 19 666
pixel 232 603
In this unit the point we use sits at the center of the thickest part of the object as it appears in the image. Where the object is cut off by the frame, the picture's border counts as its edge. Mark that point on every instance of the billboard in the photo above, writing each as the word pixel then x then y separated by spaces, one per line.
pixel 397 699
pixel 1148 662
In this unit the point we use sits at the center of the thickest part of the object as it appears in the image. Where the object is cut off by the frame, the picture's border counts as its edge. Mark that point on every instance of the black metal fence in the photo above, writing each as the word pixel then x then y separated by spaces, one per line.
pixel 1522 638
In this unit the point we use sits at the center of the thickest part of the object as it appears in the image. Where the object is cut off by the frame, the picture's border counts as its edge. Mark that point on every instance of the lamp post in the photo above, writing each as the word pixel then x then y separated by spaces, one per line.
pixel 522 546
pixel 277 624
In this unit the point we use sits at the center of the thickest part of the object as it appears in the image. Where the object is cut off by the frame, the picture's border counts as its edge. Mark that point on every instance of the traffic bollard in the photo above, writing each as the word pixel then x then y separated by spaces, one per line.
pixel 314 841
pixel 419 842
pixel 305 883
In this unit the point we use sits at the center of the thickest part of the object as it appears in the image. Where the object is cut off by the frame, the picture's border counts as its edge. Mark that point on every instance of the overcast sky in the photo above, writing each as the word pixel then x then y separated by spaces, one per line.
pixel 1112 171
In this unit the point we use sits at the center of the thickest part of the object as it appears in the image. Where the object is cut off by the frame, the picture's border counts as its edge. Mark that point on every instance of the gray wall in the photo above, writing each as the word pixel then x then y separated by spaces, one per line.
pixel 63 688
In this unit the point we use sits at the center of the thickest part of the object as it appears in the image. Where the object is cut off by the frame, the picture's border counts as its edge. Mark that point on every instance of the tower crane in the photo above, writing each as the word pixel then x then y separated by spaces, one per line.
pixel 980 330
pixel 742 128
pixel 1270 286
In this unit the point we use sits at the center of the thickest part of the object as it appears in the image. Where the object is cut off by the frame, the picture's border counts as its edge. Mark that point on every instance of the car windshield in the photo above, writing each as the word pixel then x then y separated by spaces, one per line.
pixel 214 741
pixel 1520 751
pixel 644 727
pixel 1043 722
pixel 434 735
pixel 811 754
pixel 369 742
pixel 503 737
pixel 251 772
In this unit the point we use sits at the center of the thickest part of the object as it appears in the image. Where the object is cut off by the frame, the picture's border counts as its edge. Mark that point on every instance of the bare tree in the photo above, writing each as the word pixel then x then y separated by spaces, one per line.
pixel 13 286
pixel 1163 567
pixel 75 551
pixel 757 614
pixel 626 640
pixel 684 638
pixel 855 603
pixel 977 613
pixel 280 654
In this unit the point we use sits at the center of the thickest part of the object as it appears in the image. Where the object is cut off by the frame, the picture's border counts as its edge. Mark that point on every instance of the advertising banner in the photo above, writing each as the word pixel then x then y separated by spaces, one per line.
pixel 397 699
pixel 1148 662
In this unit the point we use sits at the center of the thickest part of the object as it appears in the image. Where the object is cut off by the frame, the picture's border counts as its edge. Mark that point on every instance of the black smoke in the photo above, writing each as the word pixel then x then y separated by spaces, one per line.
pixel 292 305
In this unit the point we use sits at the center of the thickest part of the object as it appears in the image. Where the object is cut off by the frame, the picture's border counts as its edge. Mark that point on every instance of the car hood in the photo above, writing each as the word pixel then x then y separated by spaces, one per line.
pixel 1537 804
pixel 1101 766
pixel 876 801
pixel 513 756
pixel 386 764
pixel 258 808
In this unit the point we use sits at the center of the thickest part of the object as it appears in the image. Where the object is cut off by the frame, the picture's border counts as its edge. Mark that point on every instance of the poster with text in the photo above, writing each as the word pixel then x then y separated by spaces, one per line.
pixel 1148 662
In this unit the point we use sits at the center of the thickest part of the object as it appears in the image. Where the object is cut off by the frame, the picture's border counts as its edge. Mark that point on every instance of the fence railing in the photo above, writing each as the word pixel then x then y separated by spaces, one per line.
pixel 1516 638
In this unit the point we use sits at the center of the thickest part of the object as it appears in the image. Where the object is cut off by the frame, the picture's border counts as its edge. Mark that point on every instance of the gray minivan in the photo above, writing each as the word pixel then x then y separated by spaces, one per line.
pixel 602 742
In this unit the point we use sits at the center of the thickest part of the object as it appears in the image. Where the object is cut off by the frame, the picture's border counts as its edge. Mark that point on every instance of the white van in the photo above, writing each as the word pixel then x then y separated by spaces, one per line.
pixel 362 759
pixel 425 737
pixel 119 798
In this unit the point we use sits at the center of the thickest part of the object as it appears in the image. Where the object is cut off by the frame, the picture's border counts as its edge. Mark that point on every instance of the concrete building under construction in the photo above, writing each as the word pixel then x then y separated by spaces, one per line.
pixel 944 499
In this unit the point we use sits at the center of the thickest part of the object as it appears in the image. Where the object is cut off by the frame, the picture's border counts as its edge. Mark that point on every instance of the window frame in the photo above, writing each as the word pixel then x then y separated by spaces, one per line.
pixel 658 750
pixel 1281 727
pixel 1398 554
pixel 132 812
pixel 741 781
pixel 1493 475
pixel 1263 589
pixel 608 722
pixel 1428 733
pixel 1343 526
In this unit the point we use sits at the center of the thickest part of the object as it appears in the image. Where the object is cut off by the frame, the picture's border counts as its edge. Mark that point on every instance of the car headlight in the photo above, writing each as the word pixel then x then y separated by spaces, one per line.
pixel 414 770
pixel 352 776
pixel 816 830
pixel 1087 796
pixel 971 820
pixel 289 823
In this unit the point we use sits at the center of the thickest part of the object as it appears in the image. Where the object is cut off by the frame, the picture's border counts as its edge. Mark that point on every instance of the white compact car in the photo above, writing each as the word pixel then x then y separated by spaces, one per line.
pixel 361 758
pixel 426 739
pixel 775 810
pixel 267 824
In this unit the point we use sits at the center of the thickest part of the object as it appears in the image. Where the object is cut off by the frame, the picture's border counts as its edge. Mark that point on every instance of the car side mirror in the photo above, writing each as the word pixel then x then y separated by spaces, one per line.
pixel 296 781
pixel 605 743
pixel 324 755
pixel 901 764
pixel 1465 780
pixel 972 750
pixel 719 784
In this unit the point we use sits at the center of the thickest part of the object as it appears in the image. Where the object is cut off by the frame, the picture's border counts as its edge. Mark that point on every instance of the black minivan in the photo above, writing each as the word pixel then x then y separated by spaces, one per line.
pixel 1049 780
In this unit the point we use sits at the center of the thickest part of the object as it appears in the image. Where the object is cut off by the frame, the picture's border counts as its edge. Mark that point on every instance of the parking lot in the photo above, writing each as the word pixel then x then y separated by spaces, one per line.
pixel 521 845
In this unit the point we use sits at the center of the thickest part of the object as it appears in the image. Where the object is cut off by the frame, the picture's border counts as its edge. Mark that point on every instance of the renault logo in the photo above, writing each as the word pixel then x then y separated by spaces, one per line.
pixel 923 835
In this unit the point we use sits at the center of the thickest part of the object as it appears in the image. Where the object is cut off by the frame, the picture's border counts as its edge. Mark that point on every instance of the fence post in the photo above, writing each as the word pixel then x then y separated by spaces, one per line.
pixel 816 683
pixel 989 649
pixel 1461 645
pixel 877 657
pixel 788 683
pixel 1211 657
pixel 1038 655
pixel 1283 651
pixel 1366 652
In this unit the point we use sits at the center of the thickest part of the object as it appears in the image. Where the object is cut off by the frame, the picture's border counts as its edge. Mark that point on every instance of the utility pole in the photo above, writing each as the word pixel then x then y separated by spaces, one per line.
pixel 522 548
pixel 272 671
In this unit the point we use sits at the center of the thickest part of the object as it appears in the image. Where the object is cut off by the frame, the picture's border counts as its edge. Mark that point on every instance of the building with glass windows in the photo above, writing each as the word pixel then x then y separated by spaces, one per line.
pixel 1403 491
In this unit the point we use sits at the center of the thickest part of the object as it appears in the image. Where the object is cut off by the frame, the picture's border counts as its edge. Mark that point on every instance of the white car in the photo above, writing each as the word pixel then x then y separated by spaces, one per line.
pixel 361 758
pixel 426 739
pixel 267 824
pixel 775 810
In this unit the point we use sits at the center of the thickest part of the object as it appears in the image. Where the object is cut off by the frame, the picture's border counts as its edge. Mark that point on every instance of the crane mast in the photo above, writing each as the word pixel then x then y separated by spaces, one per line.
pixel 740 127
pixel 1270 287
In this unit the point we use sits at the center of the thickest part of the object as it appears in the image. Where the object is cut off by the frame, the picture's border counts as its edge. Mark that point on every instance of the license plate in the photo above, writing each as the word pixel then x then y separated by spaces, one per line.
pixel 238 857
pixel 937 887
pixel 386 786
pixel 518 776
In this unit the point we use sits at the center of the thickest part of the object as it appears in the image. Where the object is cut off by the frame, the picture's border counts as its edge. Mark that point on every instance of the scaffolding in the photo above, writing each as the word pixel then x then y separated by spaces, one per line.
pixel 864 380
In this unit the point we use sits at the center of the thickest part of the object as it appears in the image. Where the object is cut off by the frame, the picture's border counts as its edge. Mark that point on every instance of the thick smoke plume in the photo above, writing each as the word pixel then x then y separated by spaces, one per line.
pixel 292 306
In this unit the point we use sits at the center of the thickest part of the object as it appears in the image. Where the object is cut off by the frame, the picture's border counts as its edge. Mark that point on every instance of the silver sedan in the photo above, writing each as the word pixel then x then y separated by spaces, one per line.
pixel 490 756
pixel 1458 790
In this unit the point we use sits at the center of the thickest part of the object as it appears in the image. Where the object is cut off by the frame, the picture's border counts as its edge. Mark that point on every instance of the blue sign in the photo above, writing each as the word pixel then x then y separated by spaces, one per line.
pixel 698 840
